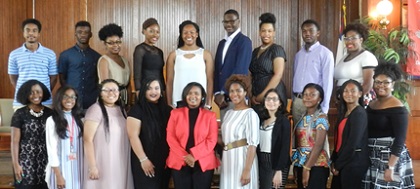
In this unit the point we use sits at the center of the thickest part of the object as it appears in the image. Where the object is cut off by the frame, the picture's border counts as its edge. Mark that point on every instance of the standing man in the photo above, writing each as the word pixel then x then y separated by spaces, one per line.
pixel 32 61
pixel 314 63
pixel 77 66
pixel 233 56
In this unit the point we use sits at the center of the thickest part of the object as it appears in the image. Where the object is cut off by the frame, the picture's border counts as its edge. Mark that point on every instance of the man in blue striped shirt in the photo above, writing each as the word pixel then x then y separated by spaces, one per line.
pixel 32 61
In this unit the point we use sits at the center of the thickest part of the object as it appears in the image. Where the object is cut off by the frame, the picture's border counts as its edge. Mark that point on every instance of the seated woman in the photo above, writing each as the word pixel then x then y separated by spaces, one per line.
pixel 350 158
pixel 312 150
pixel 192 135
pixel 64 141
pixel 273 151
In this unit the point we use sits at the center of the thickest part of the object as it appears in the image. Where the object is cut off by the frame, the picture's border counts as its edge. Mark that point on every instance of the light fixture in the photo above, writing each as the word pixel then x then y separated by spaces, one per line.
pixel 384 8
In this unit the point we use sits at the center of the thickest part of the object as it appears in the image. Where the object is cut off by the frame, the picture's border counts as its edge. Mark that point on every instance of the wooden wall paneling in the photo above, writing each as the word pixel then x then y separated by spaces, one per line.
pixel 413 132
pixel 13 13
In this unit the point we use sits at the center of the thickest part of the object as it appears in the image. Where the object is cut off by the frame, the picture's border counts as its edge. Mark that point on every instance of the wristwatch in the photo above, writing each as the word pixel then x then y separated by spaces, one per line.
pixel 389 167
pixel 207 106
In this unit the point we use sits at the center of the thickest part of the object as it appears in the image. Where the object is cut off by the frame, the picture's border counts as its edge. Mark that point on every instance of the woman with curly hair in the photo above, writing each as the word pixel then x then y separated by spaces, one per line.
pixel 267 63
pixel 29 151
pixel 241 137
pixel 107 149
pixel 359 63
pixel 112 65
pixel 189 63
pixel 391 164
pixel 64 141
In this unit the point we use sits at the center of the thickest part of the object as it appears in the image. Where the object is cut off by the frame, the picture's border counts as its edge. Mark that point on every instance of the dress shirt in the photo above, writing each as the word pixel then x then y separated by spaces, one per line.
pixel 228 41
pixel 315 65
pixel 79 68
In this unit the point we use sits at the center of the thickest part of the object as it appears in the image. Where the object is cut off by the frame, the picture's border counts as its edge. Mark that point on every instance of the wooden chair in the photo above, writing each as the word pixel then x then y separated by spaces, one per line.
pixel 6 113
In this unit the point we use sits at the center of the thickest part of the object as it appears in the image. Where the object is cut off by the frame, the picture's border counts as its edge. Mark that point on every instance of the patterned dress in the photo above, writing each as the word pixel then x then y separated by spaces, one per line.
pixel 59 151
pixel 237 125
pixel 32 155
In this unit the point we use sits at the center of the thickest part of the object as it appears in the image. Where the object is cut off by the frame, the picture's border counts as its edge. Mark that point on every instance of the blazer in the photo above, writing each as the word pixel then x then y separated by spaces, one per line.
pixel 237 60
pixel 280 144
pixel 205 137
pixel 354 146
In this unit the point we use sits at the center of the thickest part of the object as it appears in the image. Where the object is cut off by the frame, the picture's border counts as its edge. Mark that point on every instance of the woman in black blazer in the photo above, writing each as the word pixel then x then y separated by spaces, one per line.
pixel 274 148
pixel 350 158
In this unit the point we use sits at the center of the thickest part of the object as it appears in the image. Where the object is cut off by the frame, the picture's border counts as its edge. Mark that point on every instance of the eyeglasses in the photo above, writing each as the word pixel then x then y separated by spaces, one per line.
pixel 229 21
pixel 66 97
pixel 110 90
pixel 352 38
pixel 113 42
pixel 385 83
pixel 274 99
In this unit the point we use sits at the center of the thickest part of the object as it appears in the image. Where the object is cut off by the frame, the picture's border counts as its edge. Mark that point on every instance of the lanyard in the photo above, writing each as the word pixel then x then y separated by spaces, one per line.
pixel 71 131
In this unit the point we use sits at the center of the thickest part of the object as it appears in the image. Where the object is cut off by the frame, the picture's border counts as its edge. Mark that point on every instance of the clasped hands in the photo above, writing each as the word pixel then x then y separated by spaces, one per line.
pixel 189 160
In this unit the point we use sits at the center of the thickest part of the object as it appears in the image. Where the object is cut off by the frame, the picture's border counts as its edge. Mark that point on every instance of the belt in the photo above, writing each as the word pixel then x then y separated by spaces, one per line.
pixel 298 95
pixel 235 144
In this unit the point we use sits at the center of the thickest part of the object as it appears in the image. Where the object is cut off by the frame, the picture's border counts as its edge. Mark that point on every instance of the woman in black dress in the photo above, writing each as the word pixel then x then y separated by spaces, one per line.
pixel 146 126
pixel 29 150
pixel 267 63
pixel 148 59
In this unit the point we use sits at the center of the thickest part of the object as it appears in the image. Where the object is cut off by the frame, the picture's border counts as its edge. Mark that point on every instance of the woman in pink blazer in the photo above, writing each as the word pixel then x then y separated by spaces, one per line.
pixel 192 135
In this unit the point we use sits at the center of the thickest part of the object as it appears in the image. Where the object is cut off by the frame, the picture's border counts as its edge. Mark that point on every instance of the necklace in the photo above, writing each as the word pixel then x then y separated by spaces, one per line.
pixel 264 47
pixel 36 114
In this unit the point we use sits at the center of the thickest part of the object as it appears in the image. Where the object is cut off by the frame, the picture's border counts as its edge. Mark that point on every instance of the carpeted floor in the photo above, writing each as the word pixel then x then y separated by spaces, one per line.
pixel 6 172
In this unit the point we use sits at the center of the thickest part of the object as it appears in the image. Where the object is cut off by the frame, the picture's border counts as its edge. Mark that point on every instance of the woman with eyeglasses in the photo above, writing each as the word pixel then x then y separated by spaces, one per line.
pixel 311 157
pixel 189 63
pixel 391 164
pixel 107 149
pixel 274 148
pixel 112 65
pixel 64 131
pixel 359 63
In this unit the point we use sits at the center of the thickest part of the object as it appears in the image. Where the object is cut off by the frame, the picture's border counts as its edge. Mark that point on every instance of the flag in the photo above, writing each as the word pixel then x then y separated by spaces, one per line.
pixel 341 49
pixel 413 59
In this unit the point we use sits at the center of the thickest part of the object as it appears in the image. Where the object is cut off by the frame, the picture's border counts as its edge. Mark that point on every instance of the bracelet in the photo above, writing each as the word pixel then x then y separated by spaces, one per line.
pixel 307 168
pixel 389 167
pixel 208 107
pixel 143 159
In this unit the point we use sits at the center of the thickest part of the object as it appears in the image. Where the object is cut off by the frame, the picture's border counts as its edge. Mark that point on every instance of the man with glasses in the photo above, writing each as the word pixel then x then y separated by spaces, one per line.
pixel 233 56
pixel 314 63
pixel 32 61
pixel 77 66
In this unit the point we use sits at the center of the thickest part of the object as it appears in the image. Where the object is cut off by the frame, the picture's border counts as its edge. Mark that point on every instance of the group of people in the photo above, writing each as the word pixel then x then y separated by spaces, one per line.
pixel 85 137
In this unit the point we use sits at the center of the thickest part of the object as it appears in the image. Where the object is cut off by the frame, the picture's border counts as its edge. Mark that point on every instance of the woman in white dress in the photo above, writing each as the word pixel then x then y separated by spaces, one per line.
pixel 64 141
pixel 189 63
pixel 240 135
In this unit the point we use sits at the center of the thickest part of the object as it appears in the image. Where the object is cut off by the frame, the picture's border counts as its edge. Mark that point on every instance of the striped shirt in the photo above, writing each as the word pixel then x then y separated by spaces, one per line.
pixel 29 65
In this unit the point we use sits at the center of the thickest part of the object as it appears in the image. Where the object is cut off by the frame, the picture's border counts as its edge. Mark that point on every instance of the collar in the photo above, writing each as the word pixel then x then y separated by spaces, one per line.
pixel 40 48
pixel 80 49
pixel 227 38
pixel 311 48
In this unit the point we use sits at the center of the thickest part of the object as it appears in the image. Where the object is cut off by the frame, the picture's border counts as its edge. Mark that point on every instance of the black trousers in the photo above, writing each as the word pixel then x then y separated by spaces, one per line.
pixel 317 179
pixel 349 177
pixel 192 178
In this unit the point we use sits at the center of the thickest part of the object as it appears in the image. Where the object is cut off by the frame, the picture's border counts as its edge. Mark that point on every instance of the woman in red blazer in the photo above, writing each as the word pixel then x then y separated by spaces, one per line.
pixel 192 135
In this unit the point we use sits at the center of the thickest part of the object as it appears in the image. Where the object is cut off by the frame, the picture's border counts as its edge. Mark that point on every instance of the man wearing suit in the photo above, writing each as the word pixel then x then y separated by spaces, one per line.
pixel 233 56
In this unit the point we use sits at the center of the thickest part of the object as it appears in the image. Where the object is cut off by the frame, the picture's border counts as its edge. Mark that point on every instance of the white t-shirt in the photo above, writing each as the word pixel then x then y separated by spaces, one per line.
pixel 353 69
